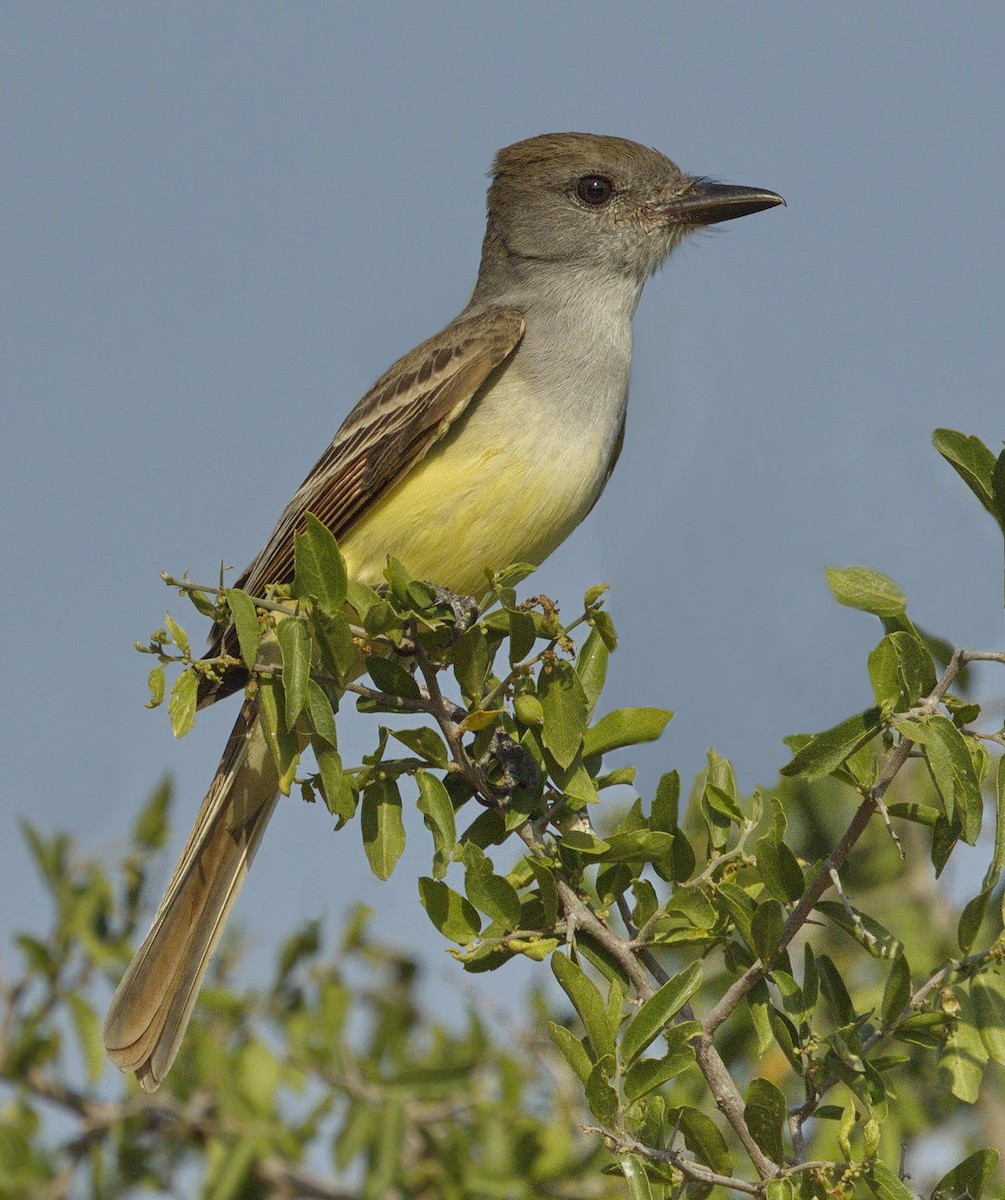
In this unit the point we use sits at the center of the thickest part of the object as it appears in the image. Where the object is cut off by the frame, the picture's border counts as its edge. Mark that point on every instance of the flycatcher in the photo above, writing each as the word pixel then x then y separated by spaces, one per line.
pixel 484 446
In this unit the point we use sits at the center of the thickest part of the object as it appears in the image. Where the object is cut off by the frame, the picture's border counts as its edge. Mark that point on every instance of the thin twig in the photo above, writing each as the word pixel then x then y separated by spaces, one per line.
pixel 687 1167
pixel 867 938
pixel 892 764
pixel 720 1083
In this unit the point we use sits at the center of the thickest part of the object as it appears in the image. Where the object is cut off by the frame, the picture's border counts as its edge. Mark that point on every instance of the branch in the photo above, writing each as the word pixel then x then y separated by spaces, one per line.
pixel 296 1181
pixel 720 1083
pixel 892 764
pixel 687 1167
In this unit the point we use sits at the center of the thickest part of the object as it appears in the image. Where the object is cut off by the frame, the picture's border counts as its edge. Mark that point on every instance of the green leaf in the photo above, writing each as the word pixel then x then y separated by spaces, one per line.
pixel 779 1189
pixel 575 783
pixel 338 652
pixel 361 598
pixel 386 1152
pixel 600 1096
pixel 646 902
pixel 952 767
pixel 926 1029
pixel 970 1179
pixel 228 1175
pixel 438 813
pixel 647 1074
pixel 399 580
pixel 758 1002
pixel 602 959
pixel 964 1058
pixel 766 927
pixel 283 744
pixel 666 802
pixel 793 1000
pixel 615 1004
pixel 572 1050
pixel 826 751
pixel 322 716
pixel 920 814
pixel 619 777
pixel 694 906
pixel 424 742
pixel 987 991
pixel 719 776
pixel 591 667
pixel 779 868
pixel 765 1112
pixel 998 491
pixel 181 706
pixel 249 634
pixel 178 635
pixel 584 842
pixel 155 682
pixel 382 827
pixel 358 1125
pixel 682 860
pixel 257 1077
pixel 547 890
pixel 998 857
pixel 972 461
pixel 625 727
pixel 587 1001
pixel 884 674
pixel 834 990
pixel 657 1012
pixel 702 1138
pixel 150 829
pixel 454 916
pixel 811 978
pixel 470 658
pixel 522 636
pixel 915 665
pixel 897 993
pixel 786 1036
pixel 295 644
pixel 565 706
pixel 945 835
pixel 639 846
pixel 604 625
pixel 319 569
pixel 390 676
pixel 635 1177
pixel 488 892
pixel 338 796
pixel 858 587
pixel 886 1184
pixel 738 905
pixel 88 1029
pixel 866 930
pixel 971 919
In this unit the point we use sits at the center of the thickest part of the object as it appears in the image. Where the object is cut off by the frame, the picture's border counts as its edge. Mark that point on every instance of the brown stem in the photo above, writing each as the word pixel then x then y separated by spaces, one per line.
pixel 894 760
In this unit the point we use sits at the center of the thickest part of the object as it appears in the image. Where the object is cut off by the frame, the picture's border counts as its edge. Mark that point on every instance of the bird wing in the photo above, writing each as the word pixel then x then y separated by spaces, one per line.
pixel 406 412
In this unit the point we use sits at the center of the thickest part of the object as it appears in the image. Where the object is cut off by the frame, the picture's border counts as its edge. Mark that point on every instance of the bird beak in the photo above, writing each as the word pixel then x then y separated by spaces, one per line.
pixel 708 202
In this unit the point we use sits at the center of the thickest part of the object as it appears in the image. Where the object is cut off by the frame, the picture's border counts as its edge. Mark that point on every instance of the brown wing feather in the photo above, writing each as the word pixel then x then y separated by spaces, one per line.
pixel 400 418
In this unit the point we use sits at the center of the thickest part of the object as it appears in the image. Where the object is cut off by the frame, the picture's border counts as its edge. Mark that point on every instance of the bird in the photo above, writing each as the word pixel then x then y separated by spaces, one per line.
pixel 484 446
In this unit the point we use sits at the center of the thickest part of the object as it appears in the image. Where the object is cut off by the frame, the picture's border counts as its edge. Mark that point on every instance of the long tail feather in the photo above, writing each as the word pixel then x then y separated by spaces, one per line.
pixel 153 1003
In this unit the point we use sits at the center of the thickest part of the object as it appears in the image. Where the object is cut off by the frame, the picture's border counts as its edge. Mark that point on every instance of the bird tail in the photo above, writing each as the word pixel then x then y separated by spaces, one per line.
pixel 152 1005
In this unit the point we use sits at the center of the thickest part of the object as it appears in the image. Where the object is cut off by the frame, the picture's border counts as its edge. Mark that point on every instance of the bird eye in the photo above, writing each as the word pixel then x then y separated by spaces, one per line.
pixel 594 189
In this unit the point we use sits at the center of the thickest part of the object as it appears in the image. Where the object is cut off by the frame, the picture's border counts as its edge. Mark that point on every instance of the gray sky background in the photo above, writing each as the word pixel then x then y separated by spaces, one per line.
pixel 220 224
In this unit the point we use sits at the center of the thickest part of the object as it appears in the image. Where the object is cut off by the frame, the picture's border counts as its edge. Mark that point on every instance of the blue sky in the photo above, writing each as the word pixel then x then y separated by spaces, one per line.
pixel 220 224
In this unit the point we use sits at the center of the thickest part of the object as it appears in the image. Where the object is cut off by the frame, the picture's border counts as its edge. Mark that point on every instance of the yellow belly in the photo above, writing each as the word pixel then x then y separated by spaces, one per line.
pixel 503 487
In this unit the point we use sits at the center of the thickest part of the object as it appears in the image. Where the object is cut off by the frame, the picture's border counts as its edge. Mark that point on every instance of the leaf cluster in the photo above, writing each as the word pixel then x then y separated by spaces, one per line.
pixel 767 995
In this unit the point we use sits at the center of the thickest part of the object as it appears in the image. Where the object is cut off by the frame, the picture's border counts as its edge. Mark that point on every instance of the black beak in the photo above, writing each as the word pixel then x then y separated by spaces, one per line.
pixel 708 203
